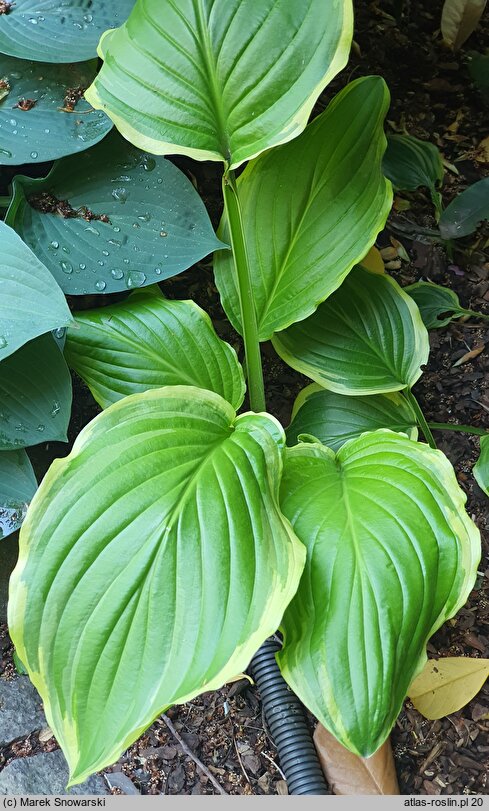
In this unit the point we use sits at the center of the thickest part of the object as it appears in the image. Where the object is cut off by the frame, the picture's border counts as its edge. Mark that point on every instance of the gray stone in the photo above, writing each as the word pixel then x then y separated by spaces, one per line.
pixel 121 781
pixel 9 551
pixel 45 774
pixel 20 709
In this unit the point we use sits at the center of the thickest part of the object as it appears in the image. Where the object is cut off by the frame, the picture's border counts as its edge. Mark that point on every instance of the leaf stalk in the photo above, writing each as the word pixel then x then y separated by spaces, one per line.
pixel 420 418
pixel 249 323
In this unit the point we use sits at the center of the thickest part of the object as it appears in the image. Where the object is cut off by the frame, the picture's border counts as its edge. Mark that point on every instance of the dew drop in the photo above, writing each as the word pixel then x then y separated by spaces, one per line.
pixel 116 273
pixel 135 279
pixel 92 230
pixel 53 246
pixel 66 267
pixel 149 164
pixel 105 253
pixel 41 427
pixel 3 342
pixel 116 229
pixel 120 195
pixel 82 266
pixel 55 409
pixel 101 263
pixel 100 285
pixel 144 217
pixel 34 155
pixel 6 153
pixel 163 233
pixel 59 333
pixel 158 271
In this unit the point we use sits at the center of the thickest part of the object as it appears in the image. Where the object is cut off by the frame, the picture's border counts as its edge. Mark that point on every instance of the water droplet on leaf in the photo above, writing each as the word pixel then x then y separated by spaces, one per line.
pixel 135 279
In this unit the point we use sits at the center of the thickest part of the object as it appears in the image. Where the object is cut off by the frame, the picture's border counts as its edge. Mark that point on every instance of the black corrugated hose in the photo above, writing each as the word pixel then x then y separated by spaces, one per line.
pixel 287 723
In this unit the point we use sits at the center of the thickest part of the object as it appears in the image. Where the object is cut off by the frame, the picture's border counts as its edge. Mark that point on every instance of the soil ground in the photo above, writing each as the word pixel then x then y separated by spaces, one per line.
pixel 433 99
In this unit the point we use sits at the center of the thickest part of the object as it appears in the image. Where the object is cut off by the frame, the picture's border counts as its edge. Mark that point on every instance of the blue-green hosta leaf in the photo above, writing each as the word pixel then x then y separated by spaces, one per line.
pixel 146 342
pixel 157 224
pixel 438 305
pixel 220 79
pixel 466 212
pixel 410 163
pixel 31 302
pixel 46 131
pixel 335 418
pixel 481 467
pixel 367 338
pixel 59 30
pixel 35 395
pixel 17 486
pixel 311 210
pixel 154 560
pixel 392 554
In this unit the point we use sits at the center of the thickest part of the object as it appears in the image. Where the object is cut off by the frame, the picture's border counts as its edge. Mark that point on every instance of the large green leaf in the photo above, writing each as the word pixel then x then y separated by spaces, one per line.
pixel 367 338
pixel 59 30
pixel 154 560
pixel 220 79
pixel 35 395
pixel 481 467
pixel 392 554
pixel 146 342
pixel 410 163
pixel 17 486
pixel 31 302
pixel 334 418
pixel 438 305
pixel 158 225
pixel 46 131
pixel 466 212
pixel 311 210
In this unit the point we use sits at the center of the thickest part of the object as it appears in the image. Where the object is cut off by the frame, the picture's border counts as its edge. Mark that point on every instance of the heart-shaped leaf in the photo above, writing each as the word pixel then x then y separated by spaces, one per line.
pixel 410 163
pixel 146 342
pixel 335 419
pixel 220 79
pixel 35 395
pixel 311 210
pixel 392 554
pixel 481 467
pixel 367 338
pixel 438 305
pixel 47 130
pixel 447 685
pixel 154 561
pixel 59 30
pixel 131 219
pixel 466 212
pixel 17 486
pixel 31 302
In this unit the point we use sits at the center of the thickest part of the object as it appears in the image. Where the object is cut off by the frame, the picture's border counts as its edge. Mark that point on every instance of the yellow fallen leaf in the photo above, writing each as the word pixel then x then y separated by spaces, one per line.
pixel 373 261
pixel 447 685
pixel 482 155
pixel 474 353
pixel 240 677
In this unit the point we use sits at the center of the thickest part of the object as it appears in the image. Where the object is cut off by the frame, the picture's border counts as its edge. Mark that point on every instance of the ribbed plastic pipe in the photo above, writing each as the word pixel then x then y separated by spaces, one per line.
pixel 287 724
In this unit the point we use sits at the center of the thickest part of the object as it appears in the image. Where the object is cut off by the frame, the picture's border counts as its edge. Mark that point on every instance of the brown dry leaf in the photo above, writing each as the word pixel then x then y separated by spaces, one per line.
pixel 373 261
pixel 470 355
pixel 482 154
pixel 240 677
pixel 350 774
pixel 459 19
pixel 447 685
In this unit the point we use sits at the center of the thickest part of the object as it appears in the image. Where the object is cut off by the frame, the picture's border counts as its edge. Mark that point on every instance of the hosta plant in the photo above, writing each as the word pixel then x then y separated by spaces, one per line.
pixel 177 535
